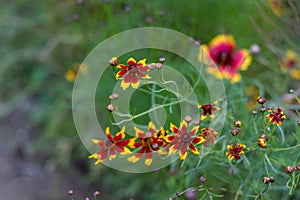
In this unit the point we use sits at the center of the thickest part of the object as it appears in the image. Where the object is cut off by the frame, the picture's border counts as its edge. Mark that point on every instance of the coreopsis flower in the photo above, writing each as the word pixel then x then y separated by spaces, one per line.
pixel 291 64
pixel 221 50
pixel 112 146
pixel 235 151
pixel 262 142
pixel 132 72
pixel 184 140
pixel 276 116
pixel 209 135
pixel 208 109
pixel 148 142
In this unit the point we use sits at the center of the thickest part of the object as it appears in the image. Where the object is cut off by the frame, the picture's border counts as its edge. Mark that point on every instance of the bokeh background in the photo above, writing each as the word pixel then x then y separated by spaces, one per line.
pixel 41 155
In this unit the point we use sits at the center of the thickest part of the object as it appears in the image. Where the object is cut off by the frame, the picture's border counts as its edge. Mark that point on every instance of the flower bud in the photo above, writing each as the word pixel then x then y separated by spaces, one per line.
pixel 162 59
pixel 263 109
pixel 297 168
pixel 110 108
pixel 266 180
pixel 188 119
pixel 289 169
pixel 272 179
pixel 111 97
pixel 262 142
pixel 263 137
pixel 70 192
pixel 254 112
pixel 158 65
pixel 202 179
pixel 96 193
pixel 235 131
pixel 238 123
pixel 291 91
pixel 113 61
pixel 261 100
pixel 254 49
pixel 115 95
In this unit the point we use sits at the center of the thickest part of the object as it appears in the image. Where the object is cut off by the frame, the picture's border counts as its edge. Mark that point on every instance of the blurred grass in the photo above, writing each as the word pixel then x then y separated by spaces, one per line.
pixel 40 40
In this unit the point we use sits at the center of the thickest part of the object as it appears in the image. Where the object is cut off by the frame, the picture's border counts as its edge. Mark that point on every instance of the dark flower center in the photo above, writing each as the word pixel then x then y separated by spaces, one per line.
pixel 185 137
pixel 291 64
pixel 133 68
pixel 224 58
pixel 109 144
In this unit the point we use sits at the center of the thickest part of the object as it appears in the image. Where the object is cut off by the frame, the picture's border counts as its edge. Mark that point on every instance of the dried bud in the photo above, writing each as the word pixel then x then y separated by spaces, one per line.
pixel 111 97
pixel 261 100
pixel 113 61
pixel 162 59
pixel 115 95
pixel 272 179
pixel 254 49
pixel 254 112
pixel 188 119
pixel 266 180
pixel 110 108
pixel 70 192
pixel 291 91
pixel 96 193
pixel 202 179
pixel 263 137
pixel 289 169
pixel 238 123
pixel 262 142
pixel 263 109
pixel 235 131
pixel 158 65
pixel 297 168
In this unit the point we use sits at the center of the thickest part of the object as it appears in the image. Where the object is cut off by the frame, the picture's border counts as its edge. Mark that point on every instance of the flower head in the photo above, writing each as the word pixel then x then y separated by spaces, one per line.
pixel 208 109
pixel 131 72
pixel 221 50
pixel 291 64
pixel 148 142
pixel 184 140
pixel 209 135
pixel 276 116
pixel 235 151
pixel 112 146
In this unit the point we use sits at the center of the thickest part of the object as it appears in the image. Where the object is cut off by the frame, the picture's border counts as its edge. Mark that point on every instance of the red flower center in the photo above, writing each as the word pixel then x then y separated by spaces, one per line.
pixel 185 137
pixel 133 68
pixel 291 64
pixel 109 144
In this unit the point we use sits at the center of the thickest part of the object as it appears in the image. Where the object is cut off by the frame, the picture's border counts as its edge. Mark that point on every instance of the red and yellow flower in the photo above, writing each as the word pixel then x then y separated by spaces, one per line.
pixel 235 151
pixel 276 116
pixel 184 140
pixel 221 50
pixel 208 109
pixel 132 72
pixel 112 146
pixel 209 135
pixel 148 142
pixel 291 64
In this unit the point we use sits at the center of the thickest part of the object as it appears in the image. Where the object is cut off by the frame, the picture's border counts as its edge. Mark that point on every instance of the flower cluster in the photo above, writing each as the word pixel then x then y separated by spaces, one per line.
pixel 153 141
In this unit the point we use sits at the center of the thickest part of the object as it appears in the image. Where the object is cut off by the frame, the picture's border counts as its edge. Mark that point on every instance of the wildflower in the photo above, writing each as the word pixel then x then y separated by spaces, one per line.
pixel 221 50
pixel 237 123
pixel 184 140
pixel 150 141
pixel 289 169
pixel 235 151
pixel 209 135
pixel 112 146
pixel 276 116
pixel 291 64
pixel 208 109
pixel 262 142
pixel 131 72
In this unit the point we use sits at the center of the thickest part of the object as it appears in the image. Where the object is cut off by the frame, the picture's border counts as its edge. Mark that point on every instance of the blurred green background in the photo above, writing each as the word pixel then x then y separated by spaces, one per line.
pixel 42 156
